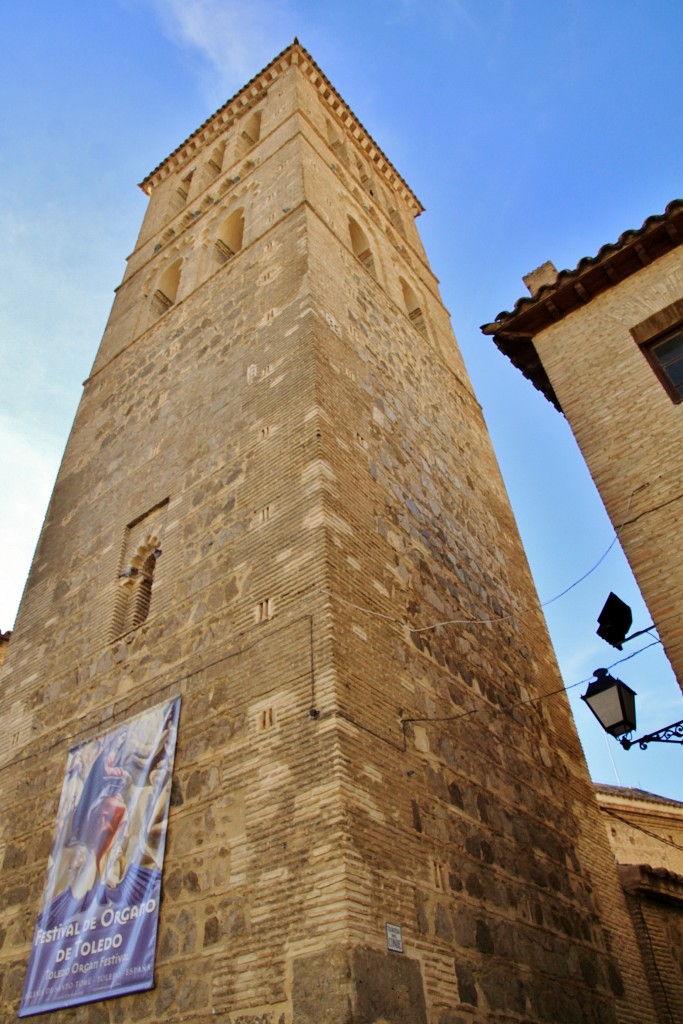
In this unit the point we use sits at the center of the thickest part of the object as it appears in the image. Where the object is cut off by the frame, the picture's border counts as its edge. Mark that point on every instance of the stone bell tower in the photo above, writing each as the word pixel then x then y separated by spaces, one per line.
pixel 279 501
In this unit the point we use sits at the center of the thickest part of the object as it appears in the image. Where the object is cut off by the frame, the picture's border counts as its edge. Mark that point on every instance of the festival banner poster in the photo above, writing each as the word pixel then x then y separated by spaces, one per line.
pixel 96 931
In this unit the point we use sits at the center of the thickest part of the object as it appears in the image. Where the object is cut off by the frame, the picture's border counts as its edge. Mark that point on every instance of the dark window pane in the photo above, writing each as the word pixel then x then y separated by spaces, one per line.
pixel 675 371
pixel 669 348
pixel 667 355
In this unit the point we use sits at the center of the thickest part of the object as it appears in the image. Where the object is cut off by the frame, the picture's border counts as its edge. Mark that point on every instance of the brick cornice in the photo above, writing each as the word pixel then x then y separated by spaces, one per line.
pixel 252 93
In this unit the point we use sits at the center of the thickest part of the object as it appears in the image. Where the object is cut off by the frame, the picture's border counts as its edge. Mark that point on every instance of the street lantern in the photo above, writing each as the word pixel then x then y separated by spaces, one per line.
pixel 612 702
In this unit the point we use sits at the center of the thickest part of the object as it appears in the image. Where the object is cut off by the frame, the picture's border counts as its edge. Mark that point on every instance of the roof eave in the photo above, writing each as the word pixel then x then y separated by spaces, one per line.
pixel 513 332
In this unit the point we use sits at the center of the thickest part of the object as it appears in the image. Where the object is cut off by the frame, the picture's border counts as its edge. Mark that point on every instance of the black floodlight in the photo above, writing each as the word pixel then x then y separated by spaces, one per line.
pixel 614 621
pixel 612 702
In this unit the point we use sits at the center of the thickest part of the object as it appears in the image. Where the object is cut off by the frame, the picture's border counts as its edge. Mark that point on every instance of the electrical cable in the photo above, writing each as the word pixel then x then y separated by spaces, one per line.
pixel 640 828
pixel 498 618
pixel 544 604
pixel 528 700
pixel 181 680
pixel 412 630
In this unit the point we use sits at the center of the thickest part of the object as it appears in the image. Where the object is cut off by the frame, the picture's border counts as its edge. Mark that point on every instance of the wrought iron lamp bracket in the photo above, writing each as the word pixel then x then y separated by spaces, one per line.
pixel 668 734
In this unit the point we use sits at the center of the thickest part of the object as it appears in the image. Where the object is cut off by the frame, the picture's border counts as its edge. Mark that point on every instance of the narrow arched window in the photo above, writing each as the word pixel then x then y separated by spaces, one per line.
pixel 167 288
pixel 361 246
pixel 250 133
pixel 230 236
pixel 138 569
pixel 134 597
pixel 413 308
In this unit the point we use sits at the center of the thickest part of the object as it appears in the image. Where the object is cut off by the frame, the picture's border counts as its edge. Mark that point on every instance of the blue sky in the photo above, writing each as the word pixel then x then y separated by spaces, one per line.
pixel 529 130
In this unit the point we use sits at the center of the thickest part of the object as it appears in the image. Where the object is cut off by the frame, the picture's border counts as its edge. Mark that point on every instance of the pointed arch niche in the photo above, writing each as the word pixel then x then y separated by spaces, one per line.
pixel 179 197
pixel 214 165
pixel 361 246
pixel 166 291
pixel 366 178
pixel 229 237
pixel 250 133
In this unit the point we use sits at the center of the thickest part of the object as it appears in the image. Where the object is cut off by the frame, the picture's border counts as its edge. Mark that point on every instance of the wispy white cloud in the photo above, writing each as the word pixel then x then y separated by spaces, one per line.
pixel 233 38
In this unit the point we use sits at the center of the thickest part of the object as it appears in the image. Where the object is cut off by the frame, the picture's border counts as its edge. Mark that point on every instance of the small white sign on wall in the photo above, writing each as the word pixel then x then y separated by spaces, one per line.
pixel 394 938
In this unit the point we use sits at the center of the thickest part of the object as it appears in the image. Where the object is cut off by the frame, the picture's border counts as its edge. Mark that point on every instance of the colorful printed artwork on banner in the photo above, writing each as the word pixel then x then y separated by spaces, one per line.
pixel 96 931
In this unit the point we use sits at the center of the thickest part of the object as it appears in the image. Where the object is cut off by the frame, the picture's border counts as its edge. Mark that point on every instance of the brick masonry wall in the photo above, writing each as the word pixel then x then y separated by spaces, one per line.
pixel 646 835
pixel 322 484
pixel 659 927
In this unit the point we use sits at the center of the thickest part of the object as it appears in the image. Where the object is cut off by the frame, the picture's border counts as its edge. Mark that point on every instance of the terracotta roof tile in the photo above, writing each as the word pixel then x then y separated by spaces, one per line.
pixel 627 238
pixel 513 331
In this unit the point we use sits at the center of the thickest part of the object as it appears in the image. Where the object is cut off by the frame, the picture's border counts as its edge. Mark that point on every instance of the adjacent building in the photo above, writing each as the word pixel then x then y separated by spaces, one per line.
pixel 604 343
pixel 646 833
